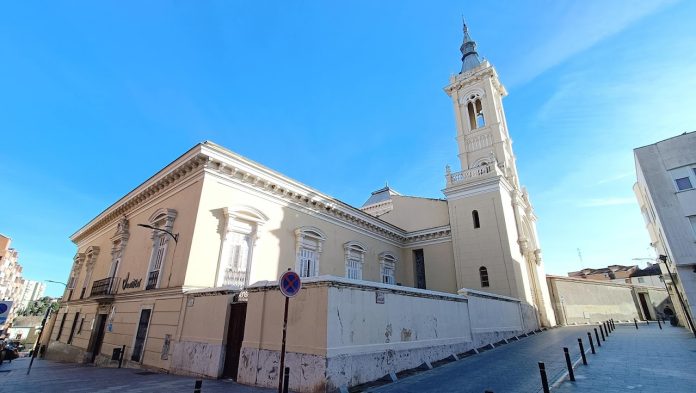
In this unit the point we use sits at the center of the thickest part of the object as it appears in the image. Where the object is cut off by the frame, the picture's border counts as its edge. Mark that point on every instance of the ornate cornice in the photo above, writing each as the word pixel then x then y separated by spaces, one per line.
pixel 210 158
pixel 168 177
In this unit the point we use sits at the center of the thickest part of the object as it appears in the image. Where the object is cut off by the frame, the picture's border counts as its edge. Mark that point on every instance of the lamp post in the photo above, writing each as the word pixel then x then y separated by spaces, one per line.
pixel 174 236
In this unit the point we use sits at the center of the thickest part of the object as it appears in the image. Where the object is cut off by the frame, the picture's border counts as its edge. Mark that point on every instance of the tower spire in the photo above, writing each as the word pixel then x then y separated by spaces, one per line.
pixel 470 58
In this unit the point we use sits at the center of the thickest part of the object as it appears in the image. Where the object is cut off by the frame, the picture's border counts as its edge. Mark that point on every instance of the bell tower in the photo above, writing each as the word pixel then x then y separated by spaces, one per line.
pixel 493 223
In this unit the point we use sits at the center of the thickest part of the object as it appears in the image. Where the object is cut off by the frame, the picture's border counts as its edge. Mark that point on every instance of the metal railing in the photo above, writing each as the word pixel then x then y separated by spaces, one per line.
pixel 152 280
pixel 104 287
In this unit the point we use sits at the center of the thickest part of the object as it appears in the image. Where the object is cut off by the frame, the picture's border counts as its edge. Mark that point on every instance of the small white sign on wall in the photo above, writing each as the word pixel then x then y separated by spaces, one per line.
pixel 379 297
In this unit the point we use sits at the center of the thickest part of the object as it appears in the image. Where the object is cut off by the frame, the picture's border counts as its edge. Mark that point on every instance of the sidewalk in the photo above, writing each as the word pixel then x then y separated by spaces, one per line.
pixel 48 376
pixel 643 360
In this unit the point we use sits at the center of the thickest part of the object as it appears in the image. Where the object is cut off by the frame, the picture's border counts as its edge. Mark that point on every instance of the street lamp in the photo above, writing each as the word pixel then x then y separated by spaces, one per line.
pixel 173 235
pixel 57 282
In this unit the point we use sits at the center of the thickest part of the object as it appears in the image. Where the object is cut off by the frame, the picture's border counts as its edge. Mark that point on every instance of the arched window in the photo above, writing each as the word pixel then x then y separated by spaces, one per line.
pixel 355 257
pixel 309 244
pixel 472 115
pixel 483 273
pixel 118 242
pixel 480 121
pixel 475 217
pixel 161 219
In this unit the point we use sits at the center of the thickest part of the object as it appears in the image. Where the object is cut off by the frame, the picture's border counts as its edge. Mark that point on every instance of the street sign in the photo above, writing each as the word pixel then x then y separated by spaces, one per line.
pixel 5 307
pixel 290 284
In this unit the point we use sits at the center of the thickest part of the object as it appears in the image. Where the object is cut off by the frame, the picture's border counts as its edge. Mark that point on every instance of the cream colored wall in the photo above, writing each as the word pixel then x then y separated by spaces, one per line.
pixel 307 319
pixel 412 214
pixel 440 274
pixel 136 256
pixel 489 245
pixel 275 248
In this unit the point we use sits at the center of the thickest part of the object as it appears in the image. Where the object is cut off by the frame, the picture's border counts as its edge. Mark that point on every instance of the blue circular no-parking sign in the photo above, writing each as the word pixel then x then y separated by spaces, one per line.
pixel 3 308
pixel 290 283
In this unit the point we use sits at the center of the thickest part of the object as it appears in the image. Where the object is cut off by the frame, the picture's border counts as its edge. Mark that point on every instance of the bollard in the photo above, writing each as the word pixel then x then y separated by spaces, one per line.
pixel 286 380
pixel 647 322
pixel 599 343
pixel 544 380
pixel 611 328
pixel 589 337
pixel 197 386
pixel 606 329
pixel 636 322
pixel 582 352
pixel 602 333
pixel 658 323
pixel 571 375
pixel 613 325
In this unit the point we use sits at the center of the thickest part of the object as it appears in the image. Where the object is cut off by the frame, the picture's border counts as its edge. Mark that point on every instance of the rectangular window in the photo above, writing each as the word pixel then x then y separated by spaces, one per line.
pixel 641 280
pixel 683 183
pixel 307 261
pixel 60 328
pixel 72 329
pixel 354 269
pixel 692 220
pixel 388 274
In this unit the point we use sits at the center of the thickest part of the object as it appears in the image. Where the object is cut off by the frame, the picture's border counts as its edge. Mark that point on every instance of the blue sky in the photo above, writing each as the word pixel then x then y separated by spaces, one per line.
pixel 97 96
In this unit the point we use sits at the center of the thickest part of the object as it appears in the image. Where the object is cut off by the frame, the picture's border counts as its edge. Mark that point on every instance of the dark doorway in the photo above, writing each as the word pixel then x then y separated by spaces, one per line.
pixel 644 305
pixel 419 267
pixel 95 342
pixel 235 335
pixel 141 334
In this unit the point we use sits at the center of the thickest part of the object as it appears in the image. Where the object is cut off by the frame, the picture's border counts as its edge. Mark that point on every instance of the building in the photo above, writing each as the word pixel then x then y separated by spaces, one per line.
pixel 666 176
pixel 11 282
pixel 162 270
pixel 31 290
pixel 609 273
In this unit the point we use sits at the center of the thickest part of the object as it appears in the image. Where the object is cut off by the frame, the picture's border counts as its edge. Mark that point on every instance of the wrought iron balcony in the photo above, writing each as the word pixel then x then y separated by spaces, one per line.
pixel 152 280
pixel 105 287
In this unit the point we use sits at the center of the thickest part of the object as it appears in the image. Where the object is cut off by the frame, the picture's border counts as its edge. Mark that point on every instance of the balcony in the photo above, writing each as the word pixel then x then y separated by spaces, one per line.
pixel 152 280
pixel 105 287
pixel 473 173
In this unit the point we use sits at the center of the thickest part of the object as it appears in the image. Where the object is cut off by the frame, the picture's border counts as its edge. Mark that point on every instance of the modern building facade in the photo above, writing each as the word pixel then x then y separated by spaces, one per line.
pixel 163 271
pixel 11 281
pixel 666 193
pixel 31 290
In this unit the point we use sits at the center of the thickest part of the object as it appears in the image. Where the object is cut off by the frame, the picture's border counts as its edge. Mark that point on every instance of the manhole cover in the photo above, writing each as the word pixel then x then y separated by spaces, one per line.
pixel 145 373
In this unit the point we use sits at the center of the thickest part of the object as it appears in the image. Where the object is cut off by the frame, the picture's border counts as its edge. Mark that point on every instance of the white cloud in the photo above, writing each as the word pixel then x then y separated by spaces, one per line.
pixel 609 201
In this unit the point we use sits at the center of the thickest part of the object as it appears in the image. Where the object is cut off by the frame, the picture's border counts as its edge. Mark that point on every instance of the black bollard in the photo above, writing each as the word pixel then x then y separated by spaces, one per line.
pixel 602 332
pixel 613 325
pixel 636 322
pixel 589 337
pixel 658 323
pixel 599 343
pixel 582 352
pixel 197 387
pixel 647 322
pixel 286 380
pixel 544 380
pixel 571 375
pixel 606 329
pixel 121 355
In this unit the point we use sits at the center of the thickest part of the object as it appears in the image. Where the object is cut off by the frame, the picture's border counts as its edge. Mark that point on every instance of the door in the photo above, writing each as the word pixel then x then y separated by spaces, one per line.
pixel 419 267
pixel 141 334
pixel 644 305
pixel 95 342
pixel 235 335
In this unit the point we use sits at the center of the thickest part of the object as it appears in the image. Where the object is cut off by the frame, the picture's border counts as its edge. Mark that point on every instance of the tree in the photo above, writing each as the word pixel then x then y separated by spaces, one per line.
pixel 38 307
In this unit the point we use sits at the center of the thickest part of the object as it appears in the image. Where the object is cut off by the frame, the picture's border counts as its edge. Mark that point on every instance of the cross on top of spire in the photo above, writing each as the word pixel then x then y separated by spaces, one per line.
pixel 470 58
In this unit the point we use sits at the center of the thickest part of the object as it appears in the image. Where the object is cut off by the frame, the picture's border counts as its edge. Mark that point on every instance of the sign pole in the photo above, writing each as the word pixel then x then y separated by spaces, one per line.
pixel 282 348
pixel 37 346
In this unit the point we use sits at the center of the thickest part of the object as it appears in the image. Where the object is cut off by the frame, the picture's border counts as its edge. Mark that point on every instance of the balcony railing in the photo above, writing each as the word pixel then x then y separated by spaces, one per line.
pixel 105 287
pixel 152 280
pixel 235 278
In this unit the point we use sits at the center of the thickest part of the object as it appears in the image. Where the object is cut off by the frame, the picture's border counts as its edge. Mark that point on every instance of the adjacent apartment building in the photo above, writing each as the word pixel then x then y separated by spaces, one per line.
pixel 11 281
pixel 666 192
pixel 162 271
